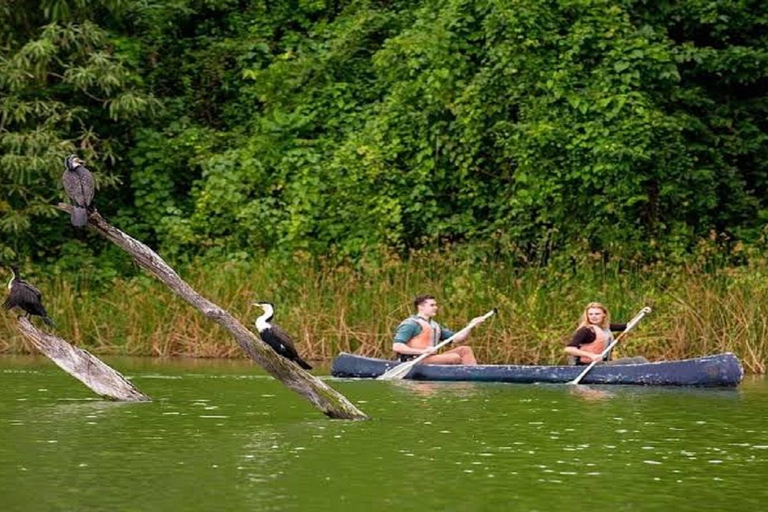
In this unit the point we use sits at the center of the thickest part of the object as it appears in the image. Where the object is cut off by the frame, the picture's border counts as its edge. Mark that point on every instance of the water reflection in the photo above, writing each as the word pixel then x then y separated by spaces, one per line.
pixel 225 440
pixel 676 391
pixel 589 393
pixel 261 463
pixel 81 407
pixel 434 388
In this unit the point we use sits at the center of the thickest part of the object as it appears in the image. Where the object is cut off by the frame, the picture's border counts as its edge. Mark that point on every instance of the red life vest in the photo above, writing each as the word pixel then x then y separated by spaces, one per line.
pixel 595 347
pixel 426 338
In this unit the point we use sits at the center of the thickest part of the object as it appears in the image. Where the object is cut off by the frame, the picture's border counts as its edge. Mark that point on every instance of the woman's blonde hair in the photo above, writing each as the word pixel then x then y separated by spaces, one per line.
pixel 585 318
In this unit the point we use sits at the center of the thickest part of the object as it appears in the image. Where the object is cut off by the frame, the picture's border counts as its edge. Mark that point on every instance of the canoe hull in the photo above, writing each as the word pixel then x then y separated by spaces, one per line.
pixel 720 370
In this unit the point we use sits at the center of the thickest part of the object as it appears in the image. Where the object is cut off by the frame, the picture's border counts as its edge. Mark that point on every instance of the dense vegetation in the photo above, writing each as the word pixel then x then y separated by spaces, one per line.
pixel 494 136
pixel 225 127
pixel 335 309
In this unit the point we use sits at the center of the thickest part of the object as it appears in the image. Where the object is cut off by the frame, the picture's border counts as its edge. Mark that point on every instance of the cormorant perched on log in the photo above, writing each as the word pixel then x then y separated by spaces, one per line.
pixel 25 297
pixel 274 336
pixel 78 183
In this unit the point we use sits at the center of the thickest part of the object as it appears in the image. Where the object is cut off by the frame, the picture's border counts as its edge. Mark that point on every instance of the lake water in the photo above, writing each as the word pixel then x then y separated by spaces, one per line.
pixel 220 435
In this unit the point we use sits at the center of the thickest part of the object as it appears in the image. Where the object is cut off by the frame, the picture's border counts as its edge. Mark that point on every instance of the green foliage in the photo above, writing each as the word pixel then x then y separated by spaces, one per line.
pixel 332 308
pixel 63 91
pixel 552 125
pixel 540 129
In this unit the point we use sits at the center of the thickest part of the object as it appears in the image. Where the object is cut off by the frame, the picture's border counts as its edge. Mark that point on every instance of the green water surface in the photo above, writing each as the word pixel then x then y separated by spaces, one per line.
pixel 221 435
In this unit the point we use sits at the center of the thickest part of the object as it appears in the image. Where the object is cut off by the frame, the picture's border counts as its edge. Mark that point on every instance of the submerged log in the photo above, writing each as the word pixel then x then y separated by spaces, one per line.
pixel 82 365
pixel 323 397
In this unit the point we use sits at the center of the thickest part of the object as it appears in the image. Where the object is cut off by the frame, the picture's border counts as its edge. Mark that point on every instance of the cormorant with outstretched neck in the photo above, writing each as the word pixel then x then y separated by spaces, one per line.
pixel 25 297
pixel 274 336
pixel 78 184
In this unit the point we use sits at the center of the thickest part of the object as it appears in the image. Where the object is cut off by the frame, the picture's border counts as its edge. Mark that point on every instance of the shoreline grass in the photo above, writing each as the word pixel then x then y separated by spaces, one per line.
pixel 330 309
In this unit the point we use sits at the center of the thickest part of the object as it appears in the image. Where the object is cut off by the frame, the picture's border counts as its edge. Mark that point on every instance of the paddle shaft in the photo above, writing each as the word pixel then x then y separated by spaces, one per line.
pixel 401 370
pixel 630 325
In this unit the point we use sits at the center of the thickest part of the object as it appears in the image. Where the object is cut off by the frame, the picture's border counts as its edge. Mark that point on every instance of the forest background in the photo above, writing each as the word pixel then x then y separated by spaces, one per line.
pixel 338 157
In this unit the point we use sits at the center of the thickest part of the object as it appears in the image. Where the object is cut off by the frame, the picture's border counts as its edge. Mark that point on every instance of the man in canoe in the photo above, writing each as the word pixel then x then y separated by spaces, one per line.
pixel 418 334
pixel 592 337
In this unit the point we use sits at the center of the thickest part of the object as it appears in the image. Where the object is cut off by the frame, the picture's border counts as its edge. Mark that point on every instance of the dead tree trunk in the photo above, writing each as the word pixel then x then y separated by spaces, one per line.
pixel 82 365
pixel 322 396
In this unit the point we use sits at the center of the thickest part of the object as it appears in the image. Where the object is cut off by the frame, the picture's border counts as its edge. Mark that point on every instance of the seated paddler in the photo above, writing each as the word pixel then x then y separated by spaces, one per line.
pixel 593 336
pixel 419 334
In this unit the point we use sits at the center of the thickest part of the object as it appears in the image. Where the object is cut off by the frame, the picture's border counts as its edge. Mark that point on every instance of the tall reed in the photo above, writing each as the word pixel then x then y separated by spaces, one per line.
pixel 355 308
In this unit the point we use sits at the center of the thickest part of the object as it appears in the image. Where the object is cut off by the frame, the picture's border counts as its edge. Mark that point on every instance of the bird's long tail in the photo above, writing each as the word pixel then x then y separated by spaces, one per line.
pixel 303 363
pixel 79 216
pixel 48 321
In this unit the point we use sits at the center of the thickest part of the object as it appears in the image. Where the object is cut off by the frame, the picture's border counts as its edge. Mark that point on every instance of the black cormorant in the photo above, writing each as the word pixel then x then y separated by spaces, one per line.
pixel 274 336
pixel 25 297
pixel 78 183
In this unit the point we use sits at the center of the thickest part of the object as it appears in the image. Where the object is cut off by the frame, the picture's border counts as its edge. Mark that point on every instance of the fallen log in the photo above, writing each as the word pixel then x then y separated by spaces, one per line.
pixel 82 365
pixel 323 397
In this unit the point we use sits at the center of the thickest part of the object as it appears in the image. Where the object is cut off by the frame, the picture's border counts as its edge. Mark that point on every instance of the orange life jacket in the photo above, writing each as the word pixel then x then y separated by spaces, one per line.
pixel 426 338
pixel 595 347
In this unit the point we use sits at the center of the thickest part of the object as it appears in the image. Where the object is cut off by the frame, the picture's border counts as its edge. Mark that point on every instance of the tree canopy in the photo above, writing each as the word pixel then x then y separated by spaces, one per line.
pixel 225 127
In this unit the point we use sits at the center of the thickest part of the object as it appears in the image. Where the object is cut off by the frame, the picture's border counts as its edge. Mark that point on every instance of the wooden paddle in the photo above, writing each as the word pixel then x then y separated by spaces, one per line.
pixel 401 370
pixel 630 325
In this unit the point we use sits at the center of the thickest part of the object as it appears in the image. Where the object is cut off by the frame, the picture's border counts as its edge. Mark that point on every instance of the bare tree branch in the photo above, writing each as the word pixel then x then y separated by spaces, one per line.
pixel 82 365
pixel 322 396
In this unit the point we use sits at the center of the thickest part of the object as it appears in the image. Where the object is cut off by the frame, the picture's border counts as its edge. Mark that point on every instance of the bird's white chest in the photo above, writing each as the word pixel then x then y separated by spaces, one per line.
pixel 262 324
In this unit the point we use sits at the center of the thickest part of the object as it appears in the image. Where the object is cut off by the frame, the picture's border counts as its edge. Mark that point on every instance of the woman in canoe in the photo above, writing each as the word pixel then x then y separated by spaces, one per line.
pixel 594 334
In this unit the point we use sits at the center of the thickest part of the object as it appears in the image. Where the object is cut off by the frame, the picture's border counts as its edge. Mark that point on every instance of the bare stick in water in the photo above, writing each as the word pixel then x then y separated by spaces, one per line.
pixel 82 365
pixel 323 397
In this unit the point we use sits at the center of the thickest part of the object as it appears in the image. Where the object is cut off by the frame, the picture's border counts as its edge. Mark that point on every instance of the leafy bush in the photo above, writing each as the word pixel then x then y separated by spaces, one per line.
pixel 548 128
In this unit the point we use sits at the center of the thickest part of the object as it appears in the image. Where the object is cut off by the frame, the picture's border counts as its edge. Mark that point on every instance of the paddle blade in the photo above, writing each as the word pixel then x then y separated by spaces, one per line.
pixel 398 372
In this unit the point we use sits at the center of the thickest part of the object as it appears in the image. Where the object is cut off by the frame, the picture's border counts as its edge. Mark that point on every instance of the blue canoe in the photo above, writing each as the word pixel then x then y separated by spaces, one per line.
pixel 721 370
